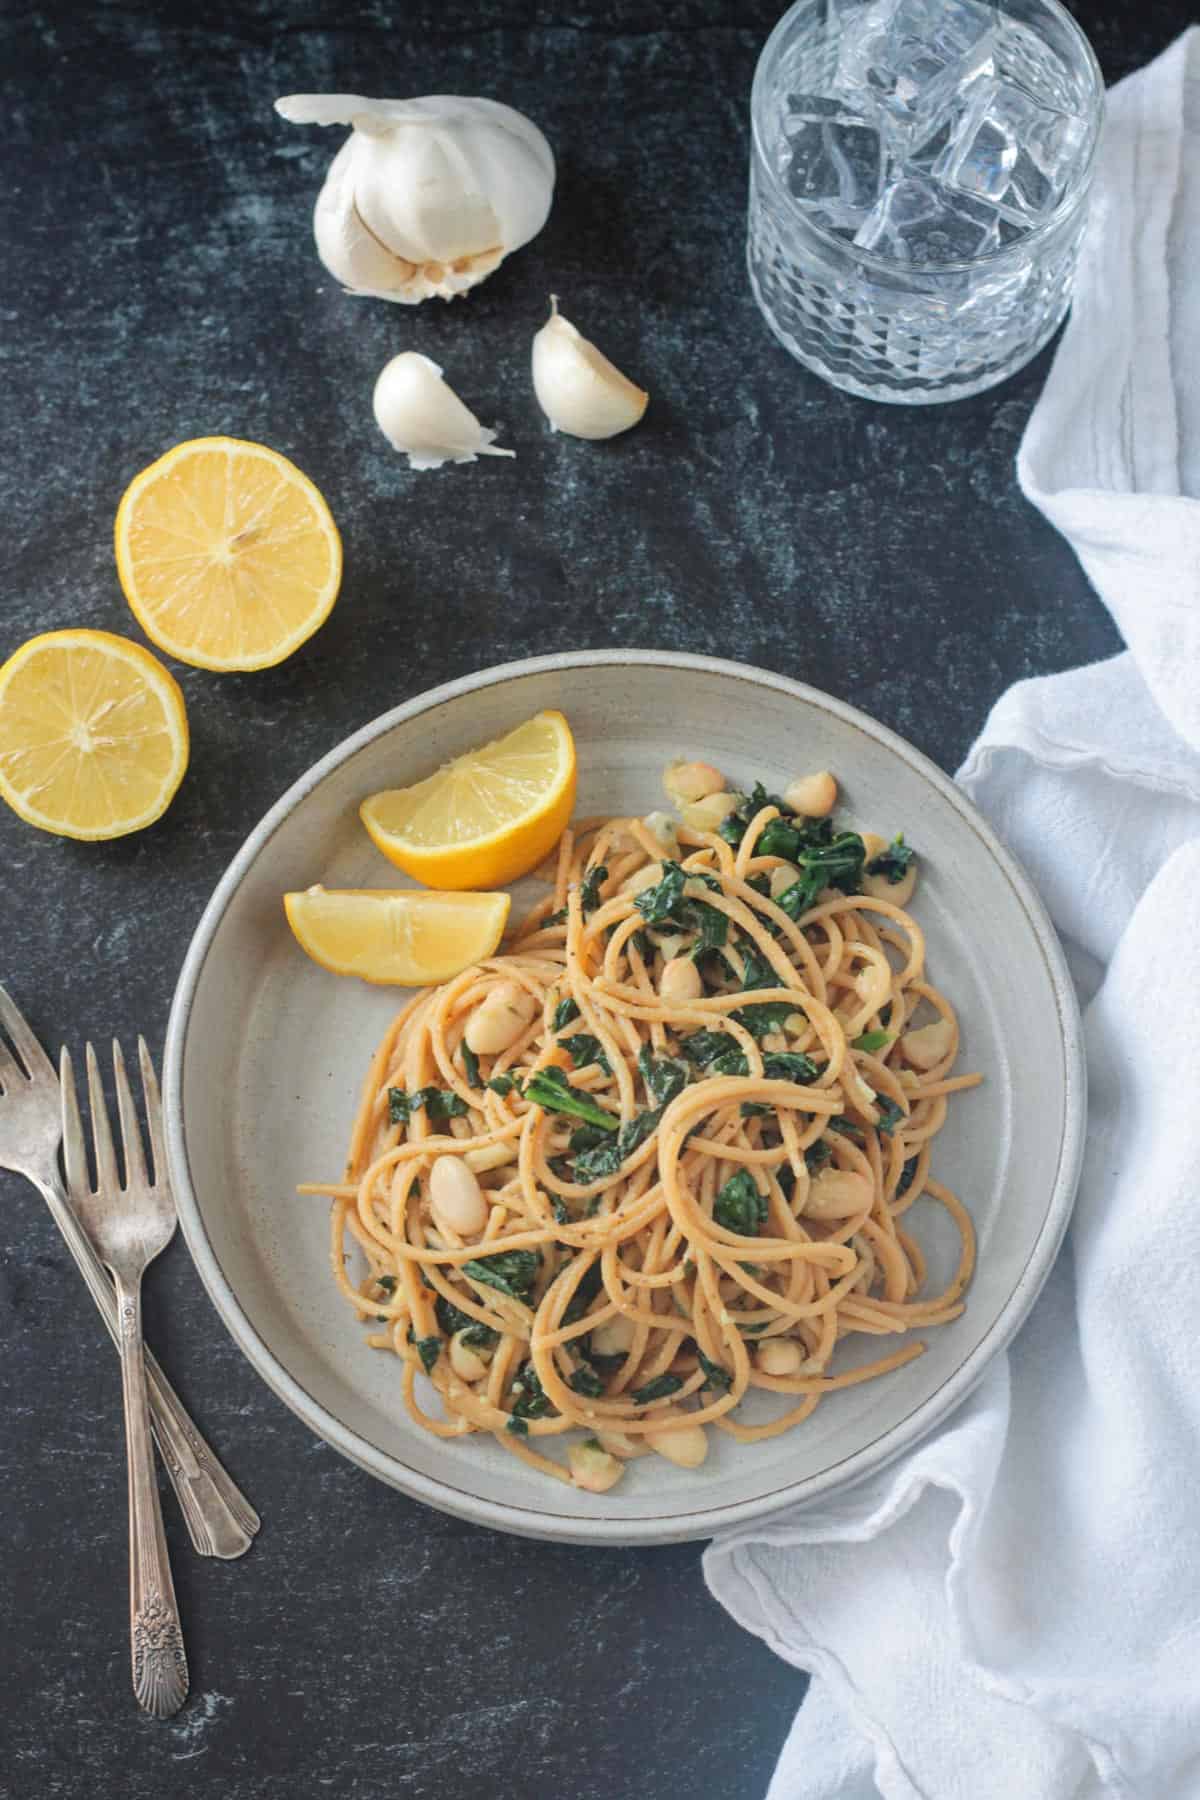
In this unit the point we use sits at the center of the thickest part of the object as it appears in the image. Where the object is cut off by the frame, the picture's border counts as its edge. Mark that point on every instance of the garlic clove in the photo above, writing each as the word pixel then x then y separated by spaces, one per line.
pixel 578 389
pixel 424 418
pixel 345 245
pixel 426 197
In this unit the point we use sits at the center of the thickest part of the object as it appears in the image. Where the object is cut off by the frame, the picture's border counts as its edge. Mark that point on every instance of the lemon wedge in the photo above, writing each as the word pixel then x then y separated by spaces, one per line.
pixel 486 818
pixel 228 555
pixel 93 734
pixel 409 938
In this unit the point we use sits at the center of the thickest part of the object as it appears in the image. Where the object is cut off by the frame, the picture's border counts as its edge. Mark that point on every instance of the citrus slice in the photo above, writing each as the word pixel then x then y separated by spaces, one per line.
pixel 485 818
pixel 412 938
pixel 93 734
pixel 228 555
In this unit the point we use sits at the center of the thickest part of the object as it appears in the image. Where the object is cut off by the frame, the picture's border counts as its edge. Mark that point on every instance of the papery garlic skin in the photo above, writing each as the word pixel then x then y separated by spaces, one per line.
pixel 421 416
pixel 426 197
pixel 578 389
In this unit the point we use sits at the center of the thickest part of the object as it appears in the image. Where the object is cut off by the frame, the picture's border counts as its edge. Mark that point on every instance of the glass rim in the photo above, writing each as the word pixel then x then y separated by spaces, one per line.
pixel 1074 194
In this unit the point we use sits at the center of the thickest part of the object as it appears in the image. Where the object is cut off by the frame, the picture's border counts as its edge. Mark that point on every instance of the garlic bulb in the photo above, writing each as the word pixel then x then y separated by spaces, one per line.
pixel 578 389
pixel 420 415
pixel 425 196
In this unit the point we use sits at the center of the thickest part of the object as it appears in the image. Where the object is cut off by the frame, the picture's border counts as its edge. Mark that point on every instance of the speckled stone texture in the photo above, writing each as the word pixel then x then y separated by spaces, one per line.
pixel 158 281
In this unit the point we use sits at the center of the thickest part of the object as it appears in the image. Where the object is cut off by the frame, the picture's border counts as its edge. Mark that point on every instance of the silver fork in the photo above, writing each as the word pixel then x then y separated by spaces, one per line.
pixel 220 1520
pixel 130 1223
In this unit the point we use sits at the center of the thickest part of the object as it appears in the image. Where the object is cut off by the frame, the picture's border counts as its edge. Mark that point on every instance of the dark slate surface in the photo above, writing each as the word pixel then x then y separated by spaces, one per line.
pixel 157 282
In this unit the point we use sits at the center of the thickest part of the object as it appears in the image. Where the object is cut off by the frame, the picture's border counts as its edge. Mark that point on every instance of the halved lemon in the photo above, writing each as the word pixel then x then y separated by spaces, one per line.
pixel 228 555
pixel 413 939
pixel 487 817
pixel 93 734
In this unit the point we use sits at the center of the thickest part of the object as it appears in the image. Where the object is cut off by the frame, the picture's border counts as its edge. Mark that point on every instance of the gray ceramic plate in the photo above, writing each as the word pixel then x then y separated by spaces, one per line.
pixel 265 1054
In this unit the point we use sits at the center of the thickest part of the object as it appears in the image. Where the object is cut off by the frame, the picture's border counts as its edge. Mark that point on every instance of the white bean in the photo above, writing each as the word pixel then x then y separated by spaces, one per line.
pixel 679 982
pixel 684 1445
pixel 592 1468
pixel 873 983
pixel 925 1047
pixel 456 1198
pixel 837 1194
pixel 663 830
pixel 707 814
pixel 688 781
pixel 878 886
pixel 463 1360
pixel 499 1020
pixel 779 1356
pixel 618 1443
pixel 812 795
pixel 614 1337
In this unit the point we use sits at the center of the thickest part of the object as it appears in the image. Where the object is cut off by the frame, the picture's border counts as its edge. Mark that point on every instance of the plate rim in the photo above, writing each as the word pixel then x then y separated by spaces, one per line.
pixel 520 1520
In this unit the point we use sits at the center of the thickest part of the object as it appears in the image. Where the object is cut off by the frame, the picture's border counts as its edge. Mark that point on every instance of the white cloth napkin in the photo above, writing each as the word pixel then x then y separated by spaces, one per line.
pixel 1013 1612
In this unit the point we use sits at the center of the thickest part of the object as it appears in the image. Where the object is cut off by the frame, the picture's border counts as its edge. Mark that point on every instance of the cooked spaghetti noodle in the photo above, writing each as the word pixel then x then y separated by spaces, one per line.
pixel 663 1204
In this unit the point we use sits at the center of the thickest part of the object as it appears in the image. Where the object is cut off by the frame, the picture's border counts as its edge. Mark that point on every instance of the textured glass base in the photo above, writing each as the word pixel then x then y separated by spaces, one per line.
pixel 906 335
pixel 849 373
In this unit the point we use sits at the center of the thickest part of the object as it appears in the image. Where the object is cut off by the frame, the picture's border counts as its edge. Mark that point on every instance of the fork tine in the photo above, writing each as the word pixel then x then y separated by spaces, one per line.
pixel 131 1131
pixel 153 1112
pixel 32 1054
pixel 11 1072
pixel 74 1150
pixel 106 1162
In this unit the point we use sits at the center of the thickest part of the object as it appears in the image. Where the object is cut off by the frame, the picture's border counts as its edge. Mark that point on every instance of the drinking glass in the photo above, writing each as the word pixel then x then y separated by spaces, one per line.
pixel 918 188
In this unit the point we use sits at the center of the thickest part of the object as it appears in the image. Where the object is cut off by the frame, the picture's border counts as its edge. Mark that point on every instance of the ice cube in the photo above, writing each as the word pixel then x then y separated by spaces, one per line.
pixel 1012 151
pixel 817 108
pixel 834 162
pixel 893 50
pixel 918 221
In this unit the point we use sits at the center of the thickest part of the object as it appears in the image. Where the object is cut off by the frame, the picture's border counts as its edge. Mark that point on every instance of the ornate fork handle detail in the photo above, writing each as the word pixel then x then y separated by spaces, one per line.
pixel 220 1520
pixel 160 1671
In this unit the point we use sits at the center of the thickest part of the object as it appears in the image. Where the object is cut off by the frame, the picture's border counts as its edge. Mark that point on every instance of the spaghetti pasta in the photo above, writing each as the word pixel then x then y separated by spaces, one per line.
pixel 662 1152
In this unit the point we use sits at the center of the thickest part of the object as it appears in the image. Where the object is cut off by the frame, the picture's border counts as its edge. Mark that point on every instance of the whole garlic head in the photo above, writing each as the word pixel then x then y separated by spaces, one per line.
pixel 425 196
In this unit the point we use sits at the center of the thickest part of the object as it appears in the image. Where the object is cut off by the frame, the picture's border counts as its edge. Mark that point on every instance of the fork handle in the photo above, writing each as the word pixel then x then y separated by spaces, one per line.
pixel 160 1671
pixel 220 1520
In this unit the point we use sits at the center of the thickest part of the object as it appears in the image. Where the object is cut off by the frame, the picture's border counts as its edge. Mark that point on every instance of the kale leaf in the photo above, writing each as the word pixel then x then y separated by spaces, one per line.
pixel 564 1012
pixel 664 1076
pixel 452 1321
pixel 585 1380
pixel 739 1206
pixel 595 1165
pixel 715 1375
pixel 550 1089
pixel 589 888
pixel 768 1016
pixel 657 903
pixel 704 1047
pixel 590 1283
pixel 894 862
pixel 584 1049
pixel 872 1040
pixel 513 1272
pixel 778 1065
pixel 658 1389
pixel 439 1103
pixel 532 1401
pixel 890 1114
